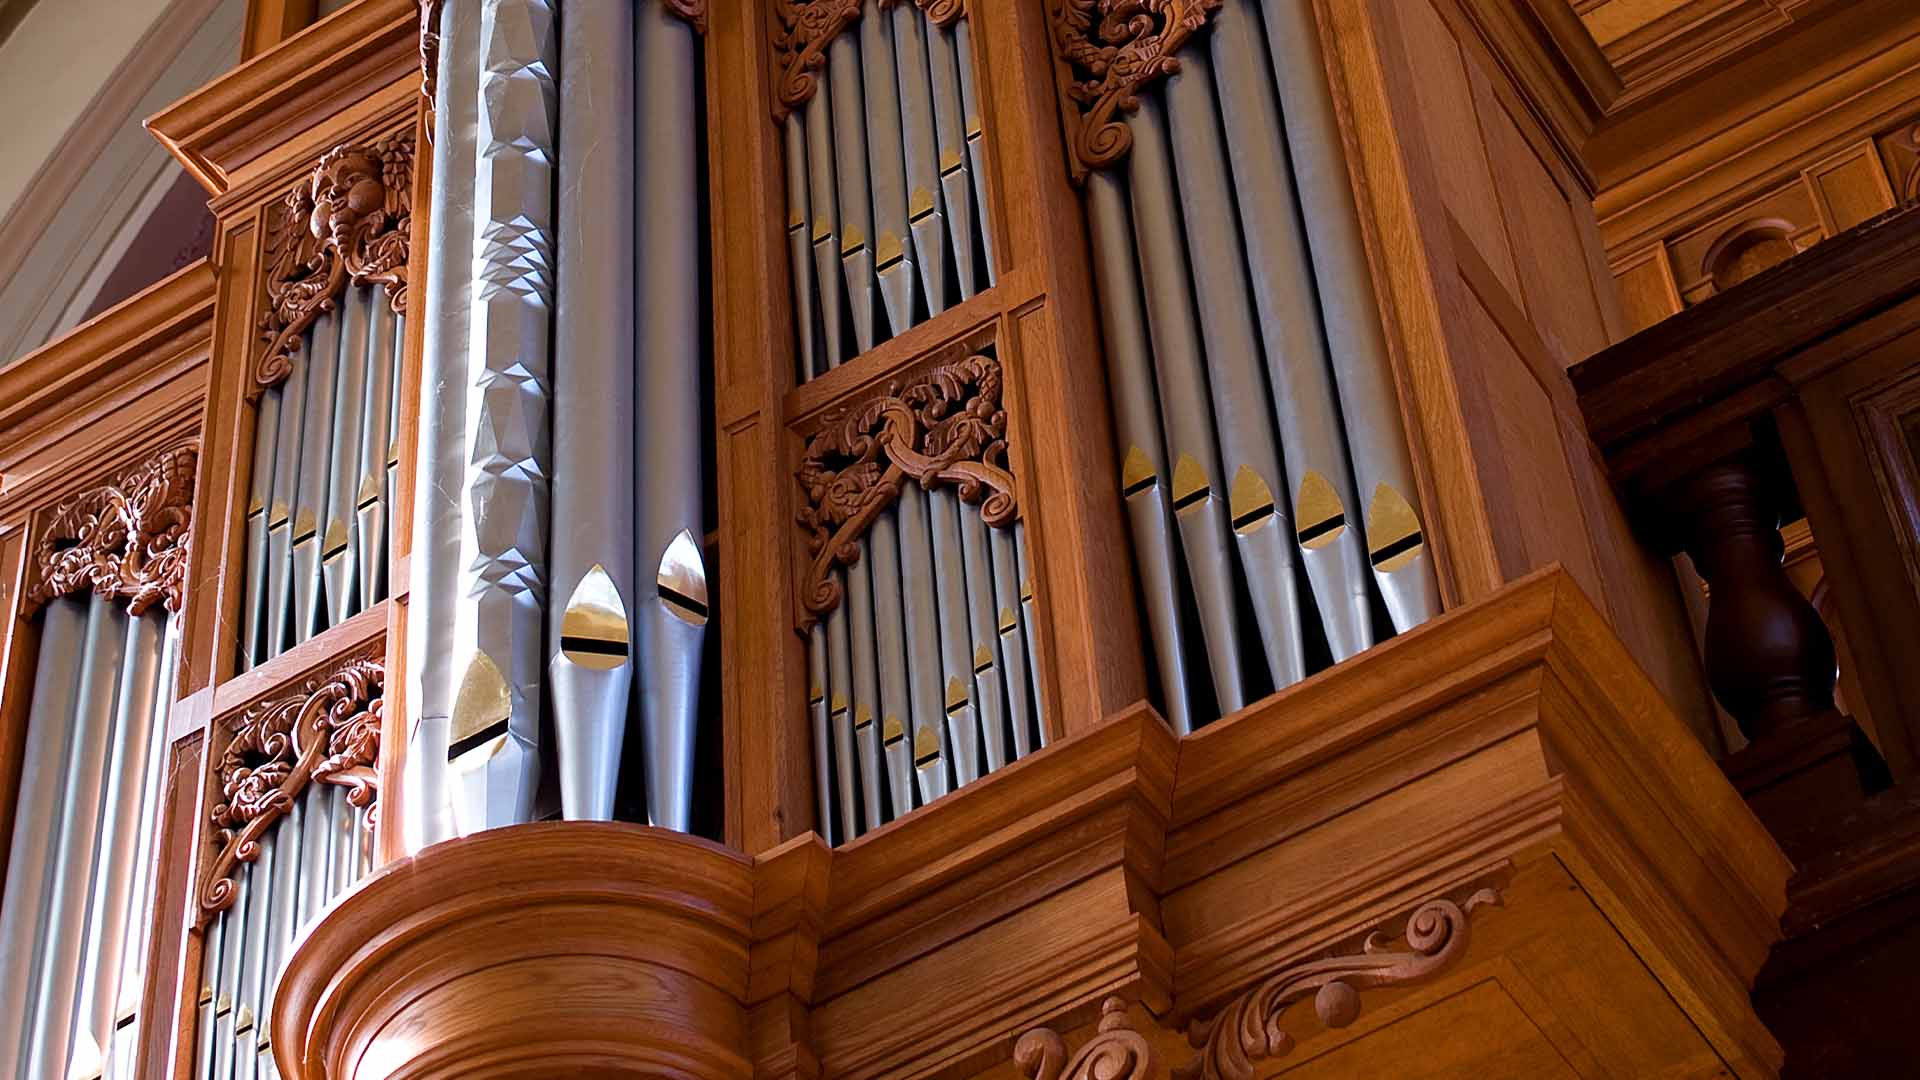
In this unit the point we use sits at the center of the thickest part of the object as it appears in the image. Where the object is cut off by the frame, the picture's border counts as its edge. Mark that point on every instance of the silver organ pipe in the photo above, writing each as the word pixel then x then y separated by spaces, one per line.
pixel 253 607
pixel 890 637
pixel 866 688
pixel 310 485
pixel 339 562
pixel 1232 210
pixel 292 394
pixel 887 167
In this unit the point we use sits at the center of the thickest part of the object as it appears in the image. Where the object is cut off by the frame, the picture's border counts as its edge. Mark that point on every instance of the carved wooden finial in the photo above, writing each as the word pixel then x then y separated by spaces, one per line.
pixel 325 732
pixel 946 427
pixel 126 540
pixel 348 223
pixel 1110 50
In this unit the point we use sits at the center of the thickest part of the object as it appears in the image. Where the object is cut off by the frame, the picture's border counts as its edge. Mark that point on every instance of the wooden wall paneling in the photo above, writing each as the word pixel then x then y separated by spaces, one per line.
pixel 769 775
pixel 1644 280
pixel 1850 186
pixel 269 22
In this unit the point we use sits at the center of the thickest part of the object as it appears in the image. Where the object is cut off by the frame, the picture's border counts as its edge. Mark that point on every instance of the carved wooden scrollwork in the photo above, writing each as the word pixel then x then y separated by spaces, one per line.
pixel 126 540
pixel 326 732
pixel 429 47
pixel 941 13
pixel 1248 1030
pixel 807 27
pixel 1109 51
pixel 946 427
pixel 694 11
pixel 348 222
pixel 1116 1052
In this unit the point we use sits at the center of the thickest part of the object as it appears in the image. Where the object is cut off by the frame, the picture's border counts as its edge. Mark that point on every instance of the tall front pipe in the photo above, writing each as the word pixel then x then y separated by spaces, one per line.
pixel 818 720
pixel 76 841
pixel 806 295
pixel 426 811
pixel 866 684
pixel 253 609
pixel 131 978
pixel 816 115
pixel 926 737
pixel 310 518
pixel 370 474
pixel 926 212
pixel 1184 403
pixel 494 739
pixel 989 667
pixel 227 985
pixel 1363 376
pixel 856 193
pixel 1143 461
pixel 886 165
pixel 339 534
pixel 956 175
pixel 1319 481
pixel 589 636
pixel 840 716
pixel 1030 625
pixel 1262 529
pixel 670 619
pixel 956 645
pixel 1013 644
pixel 249 1006
pixel 890 632
pixel 286 477
pixel 213 944
pixel 976 133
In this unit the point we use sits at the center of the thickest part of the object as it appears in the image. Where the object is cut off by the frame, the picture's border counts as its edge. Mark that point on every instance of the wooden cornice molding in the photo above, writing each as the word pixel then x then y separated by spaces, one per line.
pixel 1105 53
pixel 327 731
pixel 1554 61
pixel 349 223
pixel 944 426
pixel 269 102
pixel 123 540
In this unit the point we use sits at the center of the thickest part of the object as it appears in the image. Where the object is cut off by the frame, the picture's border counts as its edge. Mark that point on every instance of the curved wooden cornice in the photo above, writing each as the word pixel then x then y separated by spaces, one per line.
pixel 947 427
pixel 1117 1052
pixel 126 540
pixel 806 27
pixel 348 223
pixel 325 732
pixel 1110 50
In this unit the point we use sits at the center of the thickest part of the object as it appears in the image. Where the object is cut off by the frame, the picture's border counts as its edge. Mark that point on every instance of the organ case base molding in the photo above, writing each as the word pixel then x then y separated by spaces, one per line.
pixel 1510 746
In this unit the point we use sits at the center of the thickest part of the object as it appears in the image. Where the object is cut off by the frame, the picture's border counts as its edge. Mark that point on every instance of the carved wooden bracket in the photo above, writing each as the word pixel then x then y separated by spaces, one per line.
pixel 1108 51
pixel 325 732
pixel 348 222
pixel 1117 1052
pixel 123 540
pixel 946 427
pixel 806 27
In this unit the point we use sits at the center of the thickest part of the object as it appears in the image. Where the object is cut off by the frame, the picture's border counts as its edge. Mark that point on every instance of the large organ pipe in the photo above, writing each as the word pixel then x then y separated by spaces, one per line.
pixel 671 624
pixel 866 686
pixel 1185 408
pixel 253 608
pixel 856 198
pixel 1013 644
pixel 988 666
pixel 75 838
pixel 890 633
pixel 132 982
pixel 1143 467
pixel 494 738
pixel 822 729
pixel 213 945
pixel 1396 540
pixel 927 738
pixel 310 488
pixel 956 648
pixel 426 813
pixel 339 561
pixel 926 216
pixel 1319 482
pixel 976 140
pixel 1262 530
pixel 1030 626
pixel 806 297
pixel 956 175
pixel 376 436
pixel 840 715
pixel 249 1008
pixel 286 471
pixel 886 165
pixel 589 637
pixel 821 189
pixel 113 869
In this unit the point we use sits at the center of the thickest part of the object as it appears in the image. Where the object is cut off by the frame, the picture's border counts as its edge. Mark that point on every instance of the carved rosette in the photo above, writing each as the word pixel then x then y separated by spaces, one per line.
pixel 325 732
pixel 126 540
pixel 1108 51
pixel 805 29
pixel 947 427
pixel 348 223
pixel 1116 1052
pixel 1248 1030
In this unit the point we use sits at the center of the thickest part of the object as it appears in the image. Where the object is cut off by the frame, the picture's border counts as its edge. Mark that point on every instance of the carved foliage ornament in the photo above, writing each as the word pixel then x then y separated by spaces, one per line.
pixel 326 732
pixel 126 540
pixel 347 223
pixel 1116 1052
pixel 1109 50
pixel 807 27
pixel 947 427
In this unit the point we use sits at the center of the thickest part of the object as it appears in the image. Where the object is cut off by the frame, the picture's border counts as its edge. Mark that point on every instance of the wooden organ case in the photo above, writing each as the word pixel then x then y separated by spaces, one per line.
pixel 1134 593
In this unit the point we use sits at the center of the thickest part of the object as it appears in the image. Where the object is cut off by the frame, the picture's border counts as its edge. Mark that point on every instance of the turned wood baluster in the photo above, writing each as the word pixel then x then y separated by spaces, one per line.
pixel 1770 659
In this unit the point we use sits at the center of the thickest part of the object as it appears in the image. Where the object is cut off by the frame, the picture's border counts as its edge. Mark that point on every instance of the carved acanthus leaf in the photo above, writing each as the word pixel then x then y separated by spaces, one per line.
pixel 806 27
pixel 126 540
pixel 946 427
pixel 1248 1030
pixel 326 732
pixel 1109 50
pixel 348 223
pixel 1116 1052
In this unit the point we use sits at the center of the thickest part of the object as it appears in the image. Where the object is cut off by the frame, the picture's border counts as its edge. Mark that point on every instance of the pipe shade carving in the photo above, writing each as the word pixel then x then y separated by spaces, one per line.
pixel 1110 50
pixel 1248 1032
pixel 1117 1052
pixel 945 428
pixel 126 540
pixel 349 222
pixel 807 27
pixel 326 732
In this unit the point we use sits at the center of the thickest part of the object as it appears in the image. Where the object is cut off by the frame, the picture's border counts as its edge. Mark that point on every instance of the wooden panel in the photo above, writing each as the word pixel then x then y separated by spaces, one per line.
pixel 1647 290
pixel 1851 187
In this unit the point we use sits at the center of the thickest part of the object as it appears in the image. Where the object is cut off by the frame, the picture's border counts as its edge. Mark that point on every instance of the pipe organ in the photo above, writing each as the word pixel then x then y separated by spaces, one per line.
pixel 1061 409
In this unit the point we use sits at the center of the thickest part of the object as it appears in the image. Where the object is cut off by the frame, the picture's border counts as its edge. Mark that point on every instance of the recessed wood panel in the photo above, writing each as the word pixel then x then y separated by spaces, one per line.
pixel 1480 1032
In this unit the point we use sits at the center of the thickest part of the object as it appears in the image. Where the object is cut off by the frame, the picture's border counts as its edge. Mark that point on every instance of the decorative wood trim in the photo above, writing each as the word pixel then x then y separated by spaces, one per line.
pixel 349 222
pixel 1107 52
pixel 124 540
pixel 325 732
pixel 694 11
pixel 1117 1052
pixel 429 48
pixel 946 427
pixel 800 40
pixel 1248 1032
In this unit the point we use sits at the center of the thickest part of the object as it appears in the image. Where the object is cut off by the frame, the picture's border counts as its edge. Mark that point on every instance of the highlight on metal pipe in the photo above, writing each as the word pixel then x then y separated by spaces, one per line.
pixel 339 532
pixel 890 635
pixel 253 608
pixel 310 489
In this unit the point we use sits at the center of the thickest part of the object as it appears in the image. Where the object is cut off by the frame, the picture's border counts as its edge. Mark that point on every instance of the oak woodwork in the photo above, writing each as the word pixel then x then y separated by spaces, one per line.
pixel 123 540
pixel 1109 53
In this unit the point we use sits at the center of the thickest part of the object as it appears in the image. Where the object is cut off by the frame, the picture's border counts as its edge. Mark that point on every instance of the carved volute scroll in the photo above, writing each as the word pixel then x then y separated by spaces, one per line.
pixel 429 47
pixel 1116 1052
pixel 1110 50
pixel 806 27
pixel 325 732
pixel 944 427
pixel 126 540
pixel 348 223
pixel 1248 1030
